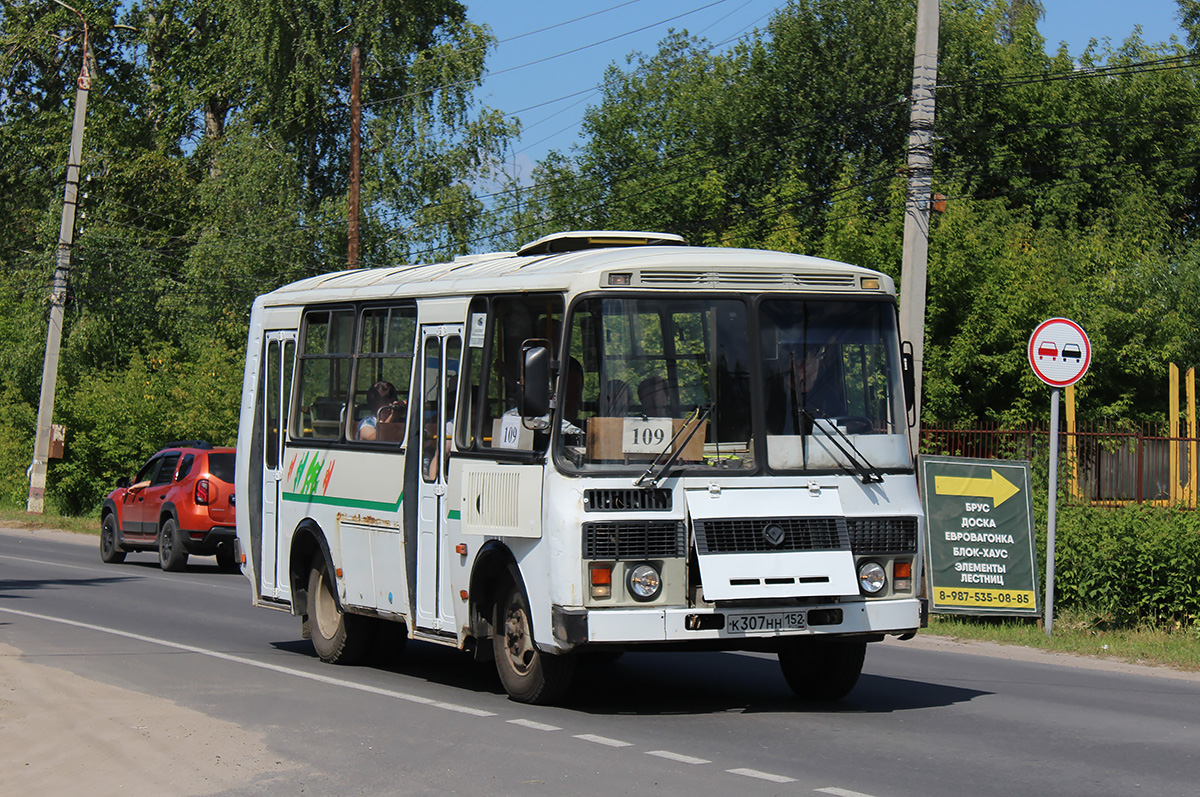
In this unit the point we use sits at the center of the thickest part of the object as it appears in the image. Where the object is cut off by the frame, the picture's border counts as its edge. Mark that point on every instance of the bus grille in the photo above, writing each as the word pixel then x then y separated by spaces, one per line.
pixel 752 535
pixel 634 539
pixel 620 500
pixel 882 534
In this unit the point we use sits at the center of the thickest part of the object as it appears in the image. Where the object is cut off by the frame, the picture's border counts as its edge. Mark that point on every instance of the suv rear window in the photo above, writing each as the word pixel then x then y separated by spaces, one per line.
pixel 221 466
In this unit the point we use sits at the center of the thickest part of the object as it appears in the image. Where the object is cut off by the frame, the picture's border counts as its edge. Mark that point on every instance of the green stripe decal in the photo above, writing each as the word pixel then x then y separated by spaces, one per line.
pixel 453 514
pixel 349 503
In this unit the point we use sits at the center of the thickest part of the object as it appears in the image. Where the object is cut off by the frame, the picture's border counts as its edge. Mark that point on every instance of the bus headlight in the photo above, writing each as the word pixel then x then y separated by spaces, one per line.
pixel 871 577
pixel 644 583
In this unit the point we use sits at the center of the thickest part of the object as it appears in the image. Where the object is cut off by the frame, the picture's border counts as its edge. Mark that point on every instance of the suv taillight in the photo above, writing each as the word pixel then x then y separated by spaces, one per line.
pixel 202 492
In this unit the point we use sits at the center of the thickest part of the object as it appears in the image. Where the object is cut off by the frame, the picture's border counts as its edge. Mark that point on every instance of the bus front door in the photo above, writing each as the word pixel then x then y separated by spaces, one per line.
pixel 441 350
pixel 278 355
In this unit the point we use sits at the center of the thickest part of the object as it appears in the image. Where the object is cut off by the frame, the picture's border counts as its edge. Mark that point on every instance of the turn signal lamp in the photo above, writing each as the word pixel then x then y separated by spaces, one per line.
pixel 202 492
pixel 902 576
pixel 620 280
pixel 870 283
pixel 601 582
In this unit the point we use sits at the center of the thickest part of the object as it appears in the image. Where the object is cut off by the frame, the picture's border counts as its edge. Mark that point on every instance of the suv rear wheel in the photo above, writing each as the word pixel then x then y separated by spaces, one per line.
pixel 172 556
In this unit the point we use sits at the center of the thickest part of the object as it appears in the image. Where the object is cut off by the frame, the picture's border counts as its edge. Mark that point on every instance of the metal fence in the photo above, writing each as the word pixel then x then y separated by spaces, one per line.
pixel 1101 465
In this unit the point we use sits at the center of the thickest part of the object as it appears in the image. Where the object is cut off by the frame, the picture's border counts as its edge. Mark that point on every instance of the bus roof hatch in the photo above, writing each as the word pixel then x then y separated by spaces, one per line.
pixel 577 240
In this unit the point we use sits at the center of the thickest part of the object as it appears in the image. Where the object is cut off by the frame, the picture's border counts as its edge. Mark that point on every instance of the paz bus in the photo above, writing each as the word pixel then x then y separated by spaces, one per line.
pixel 602 442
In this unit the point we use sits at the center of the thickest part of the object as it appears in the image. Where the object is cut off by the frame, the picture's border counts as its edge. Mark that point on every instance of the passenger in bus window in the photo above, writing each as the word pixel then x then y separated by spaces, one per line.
pixel 815 381
pixel 652 393
pixel 384 406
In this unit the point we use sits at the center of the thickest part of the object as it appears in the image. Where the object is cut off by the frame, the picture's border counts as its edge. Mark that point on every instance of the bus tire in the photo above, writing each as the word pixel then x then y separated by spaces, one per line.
pixel 528 674
pixel 172 556
pixel 821 670
pixel 111 551
pixel 339 638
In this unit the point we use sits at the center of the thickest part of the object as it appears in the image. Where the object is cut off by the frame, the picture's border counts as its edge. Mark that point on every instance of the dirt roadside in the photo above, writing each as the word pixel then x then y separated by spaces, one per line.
pixel 64 734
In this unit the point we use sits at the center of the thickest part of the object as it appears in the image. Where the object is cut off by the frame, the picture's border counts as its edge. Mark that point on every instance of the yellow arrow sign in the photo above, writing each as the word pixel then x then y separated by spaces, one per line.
pixel 998 488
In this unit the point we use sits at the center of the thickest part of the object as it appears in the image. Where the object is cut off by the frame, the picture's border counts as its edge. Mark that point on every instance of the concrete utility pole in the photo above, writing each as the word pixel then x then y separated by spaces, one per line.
pixel 58 295
pixel 355 150
pixel 920 189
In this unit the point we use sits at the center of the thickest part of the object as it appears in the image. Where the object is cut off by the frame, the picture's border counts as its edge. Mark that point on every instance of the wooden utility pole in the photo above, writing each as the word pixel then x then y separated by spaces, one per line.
pixel 355 149
pixel 58 293
pixel 917 204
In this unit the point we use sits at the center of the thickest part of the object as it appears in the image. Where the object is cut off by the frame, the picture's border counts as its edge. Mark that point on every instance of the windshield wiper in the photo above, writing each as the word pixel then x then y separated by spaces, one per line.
pixel 864 469
pixel 675 450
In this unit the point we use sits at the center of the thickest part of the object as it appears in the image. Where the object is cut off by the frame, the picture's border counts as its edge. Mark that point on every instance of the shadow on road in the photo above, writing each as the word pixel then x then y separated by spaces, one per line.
pixel 8 585
pixel 653 684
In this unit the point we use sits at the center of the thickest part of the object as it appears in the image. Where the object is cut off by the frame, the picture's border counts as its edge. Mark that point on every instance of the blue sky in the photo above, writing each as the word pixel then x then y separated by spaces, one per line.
pixel 552 54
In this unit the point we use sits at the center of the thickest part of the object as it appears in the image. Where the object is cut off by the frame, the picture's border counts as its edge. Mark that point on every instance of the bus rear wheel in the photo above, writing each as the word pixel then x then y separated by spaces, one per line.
pixel 528 674
pixel 822 670
pixel 339 638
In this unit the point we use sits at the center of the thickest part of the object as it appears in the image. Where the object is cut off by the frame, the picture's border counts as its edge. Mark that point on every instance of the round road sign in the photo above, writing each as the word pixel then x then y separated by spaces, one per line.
pixel 1059 352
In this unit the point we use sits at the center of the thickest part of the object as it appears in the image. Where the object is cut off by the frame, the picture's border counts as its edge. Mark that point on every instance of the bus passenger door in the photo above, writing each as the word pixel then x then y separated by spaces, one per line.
pixel 441 350
pixel 277 383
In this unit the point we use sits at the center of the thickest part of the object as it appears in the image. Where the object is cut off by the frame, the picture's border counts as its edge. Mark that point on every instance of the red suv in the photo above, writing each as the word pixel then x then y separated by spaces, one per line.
pixel 181 502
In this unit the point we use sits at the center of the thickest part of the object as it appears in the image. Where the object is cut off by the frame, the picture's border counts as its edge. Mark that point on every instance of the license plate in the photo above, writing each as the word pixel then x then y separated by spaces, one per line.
pixel 765 622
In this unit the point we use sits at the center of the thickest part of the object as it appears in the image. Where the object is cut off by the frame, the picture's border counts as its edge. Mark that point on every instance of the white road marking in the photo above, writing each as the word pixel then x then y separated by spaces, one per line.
pixel 836 792
pixel 754 773
pixel 537 726
pixel 590 737
pixel 682 759
pixel 325 679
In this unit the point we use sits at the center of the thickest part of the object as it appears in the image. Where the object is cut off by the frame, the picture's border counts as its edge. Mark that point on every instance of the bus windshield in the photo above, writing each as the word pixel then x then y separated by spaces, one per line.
pixel 712 381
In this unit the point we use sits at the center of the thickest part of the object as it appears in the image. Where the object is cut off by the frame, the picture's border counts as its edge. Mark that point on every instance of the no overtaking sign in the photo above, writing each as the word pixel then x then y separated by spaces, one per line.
pixel 1059 352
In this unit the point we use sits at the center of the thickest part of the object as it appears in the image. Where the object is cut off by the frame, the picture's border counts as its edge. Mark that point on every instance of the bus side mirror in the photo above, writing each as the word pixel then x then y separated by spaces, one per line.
pixel 909 374
pixel 535 378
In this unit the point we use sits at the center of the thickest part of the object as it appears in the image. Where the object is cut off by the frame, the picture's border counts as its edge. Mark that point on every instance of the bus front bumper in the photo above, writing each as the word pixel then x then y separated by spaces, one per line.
pixel 574 627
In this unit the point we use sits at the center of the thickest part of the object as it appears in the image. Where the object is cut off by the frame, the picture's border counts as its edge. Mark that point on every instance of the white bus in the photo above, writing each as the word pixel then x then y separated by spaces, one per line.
pixel 605 441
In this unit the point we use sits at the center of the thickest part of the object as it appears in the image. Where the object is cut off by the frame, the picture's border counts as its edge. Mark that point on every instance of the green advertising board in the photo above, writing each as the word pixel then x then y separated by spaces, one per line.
pixel 980 556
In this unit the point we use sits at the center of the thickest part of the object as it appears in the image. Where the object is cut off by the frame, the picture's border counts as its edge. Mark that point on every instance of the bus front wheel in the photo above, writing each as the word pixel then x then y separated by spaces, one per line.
pixel 528 674
pixel 822 670
pixel 339 638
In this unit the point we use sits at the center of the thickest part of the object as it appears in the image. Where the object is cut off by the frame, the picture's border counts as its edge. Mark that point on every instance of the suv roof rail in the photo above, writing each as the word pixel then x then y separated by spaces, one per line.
pixel 188 444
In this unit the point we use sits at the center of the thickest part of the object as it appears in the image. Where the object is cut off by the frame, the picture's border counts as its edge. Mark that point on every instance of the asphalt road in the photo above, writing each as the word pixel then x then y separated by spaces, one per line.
pixel 925 719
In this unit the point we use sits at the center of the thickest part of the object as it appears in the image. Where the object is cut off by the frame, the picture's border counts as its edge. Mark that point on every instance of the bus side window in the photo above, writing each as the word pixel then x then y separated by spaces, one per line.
pixel 324 374
pixel 387 336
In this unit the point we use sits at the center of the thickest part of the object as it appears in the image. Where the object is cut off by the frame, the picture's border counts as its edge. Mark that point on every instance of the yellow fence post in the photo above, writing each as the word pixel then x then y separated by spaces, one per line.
pixel 1191 446
pixel 1072 446
pixel 1173 447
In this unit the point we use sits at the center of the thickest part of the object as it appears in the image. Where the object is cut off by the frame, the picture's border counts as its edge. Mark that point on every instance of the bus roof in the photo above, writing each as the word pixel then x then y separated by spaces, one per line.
pixel 588 260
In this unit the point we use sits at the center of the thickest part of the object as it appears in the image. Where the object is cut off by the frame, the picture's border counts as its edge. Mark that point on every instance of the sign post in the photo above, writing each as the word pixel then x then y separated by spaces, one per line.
pixel 1059 353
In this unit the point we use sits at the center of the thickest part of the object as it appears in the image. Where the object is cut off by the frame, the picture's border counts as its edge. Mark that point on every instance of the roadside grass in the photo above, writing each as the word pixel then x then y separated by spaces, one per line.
pixel 1080 634
pixel 20 519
